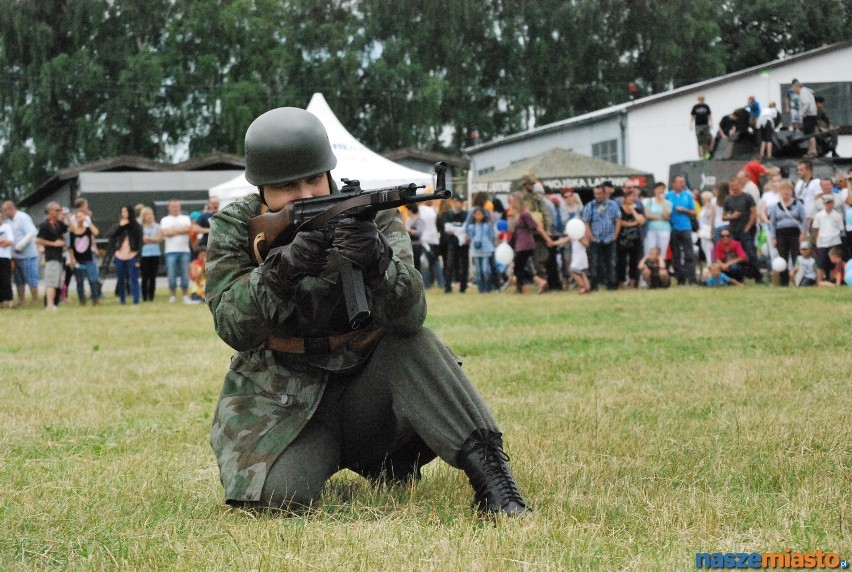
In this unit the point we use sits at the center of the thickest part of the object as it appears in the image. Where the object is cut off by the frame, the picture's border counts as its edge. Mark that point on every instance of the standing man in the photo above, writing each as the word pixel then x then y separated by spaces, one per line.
pixel 600 216
pixel 828 229
pixel 51 235
pixel 683 209
pixel 748 186
pixel 844 206
pixel 808 110
pixel 458 248
pixel 175 228
pixel 740 211
pixel 306 395
pixel 807 188
pixel 699 120
pixel 24 253
pixel 201 227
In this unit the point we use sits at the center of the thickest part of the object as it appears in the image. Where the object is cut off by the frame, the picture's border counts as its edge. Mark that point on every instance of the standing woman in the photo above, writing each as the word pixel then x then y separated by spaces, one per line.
pixel 720 195
pixel 628 238
pixel 82 257
pixel 150 265
pixel 658 209
pixel 7 241
pixel 126 242
pixel 787 222
pixel 706 220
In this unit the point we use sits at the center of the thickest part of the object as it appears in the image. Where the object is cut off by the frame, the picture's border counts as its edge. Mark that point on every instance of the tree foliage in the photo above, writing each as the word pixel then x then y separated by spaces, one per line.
pixel 91 79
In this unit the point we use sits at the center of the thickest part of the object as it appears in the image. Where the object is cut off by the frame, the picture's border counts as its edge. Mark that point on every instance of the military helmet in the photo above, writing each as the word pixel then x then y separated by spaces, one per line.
pixel 286 144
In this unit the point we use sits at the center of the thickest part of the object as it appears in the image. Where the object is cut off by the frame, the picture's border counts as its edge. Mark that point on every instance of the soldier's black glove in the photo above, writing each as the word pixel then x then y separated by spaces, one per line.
pixel 361 243
pixel 285 265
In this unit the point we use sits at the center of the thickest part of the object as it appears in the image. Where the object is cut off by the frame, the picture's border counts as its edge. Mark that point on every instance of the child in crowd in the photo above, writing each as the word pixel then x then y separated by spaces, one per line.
pixel 805 268
pixel 483 237
pixel 653 269
pixel 719 278
pixel 579 264
pixel 198 274
pixel 838 269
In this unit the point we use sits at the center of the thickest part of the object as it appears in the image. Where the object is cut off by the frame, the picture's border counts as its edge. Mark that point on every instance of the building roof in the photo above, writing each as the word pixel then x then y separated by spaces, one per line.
pixel 558 168
pixel 427 156
pixel 655 98
pixel 125 163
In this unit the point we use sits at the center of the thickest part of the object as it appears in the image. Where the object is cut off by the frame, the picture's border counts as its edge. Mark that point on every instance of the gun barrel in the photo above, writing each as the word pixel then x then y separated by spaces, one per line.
pixel 436 196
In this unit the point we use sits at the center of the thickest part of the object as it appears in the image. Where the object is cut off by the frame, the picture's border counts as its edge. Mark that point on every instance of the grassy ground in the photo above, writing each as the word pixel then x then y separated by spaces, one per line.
pixel 643 427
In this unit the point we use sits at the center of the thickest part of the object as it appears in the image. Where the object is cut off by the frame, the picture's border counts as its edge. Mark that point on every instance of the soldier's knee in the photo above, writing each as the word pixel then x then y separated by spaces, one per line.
pixel 404 343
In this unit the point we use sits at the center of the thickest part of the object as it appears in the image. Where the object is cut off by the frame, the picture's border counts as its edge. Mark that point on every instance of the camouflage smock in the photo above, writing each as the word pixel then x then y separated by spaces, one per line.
pixel 268 396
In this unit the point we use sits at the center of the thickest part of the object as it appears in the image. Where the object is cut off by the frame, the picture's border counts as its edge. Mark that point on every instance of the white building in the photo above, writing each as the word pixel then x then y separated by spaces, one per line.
pixel 653 132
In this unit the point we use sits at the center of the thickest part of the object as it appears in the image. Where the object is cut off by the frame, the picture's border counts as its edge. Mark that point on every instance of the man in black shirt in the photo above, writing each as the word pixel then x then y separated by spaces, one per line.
pixel 700 119
pixel 51 235
pixel 202 224
pixel 726 128
pixel 740 211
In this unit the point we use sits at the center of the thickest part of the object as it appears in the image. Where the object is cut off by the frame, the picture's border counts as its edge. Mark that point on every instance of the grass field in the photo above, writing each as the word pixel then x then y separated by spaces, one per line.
pixel 643 427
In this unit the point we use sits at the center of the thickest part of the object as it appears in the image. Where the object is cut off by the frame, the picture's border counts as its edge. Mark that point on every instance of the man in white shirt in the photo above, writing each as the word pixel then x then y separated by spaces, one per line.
pixel 807 188
pixel 808 110
pixel 431 239
pixel 25 252
pixel 175 228
pixel 827 225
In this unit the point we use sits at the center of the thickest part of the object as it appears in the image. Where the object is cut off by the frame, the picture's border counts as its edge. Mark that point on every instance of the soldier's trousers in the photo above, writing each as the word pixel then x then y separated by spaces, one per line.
pixel 411 392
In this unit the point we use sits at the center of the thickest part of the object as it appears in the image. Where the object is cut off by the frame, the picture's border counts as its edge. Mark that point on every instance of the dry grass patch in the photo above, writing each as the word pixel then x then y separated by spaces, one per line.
pixel 644 427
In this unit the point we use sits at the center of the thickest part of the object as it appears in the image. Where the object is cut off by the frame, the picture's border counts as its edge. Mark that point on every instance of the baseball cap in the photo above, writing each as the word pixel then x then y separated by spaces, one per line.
pixel 805 245
pixel 828 199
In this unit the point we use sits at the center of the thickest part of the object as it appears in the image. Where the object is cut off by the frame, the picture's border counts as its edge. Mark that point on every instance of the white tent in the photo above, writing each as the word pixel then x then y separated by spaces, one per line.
pixel 354 161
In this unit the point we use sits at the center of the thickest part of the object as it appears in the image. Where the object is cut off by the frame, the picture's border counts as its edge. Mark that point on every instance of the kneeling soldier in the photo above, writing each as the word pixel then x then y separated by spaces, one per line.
pixel 307 396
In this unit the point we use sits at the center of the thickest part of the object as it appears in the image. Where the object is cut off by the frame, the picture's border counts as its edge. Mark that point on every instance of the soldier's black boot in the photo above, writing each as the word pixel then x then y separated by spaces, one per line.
pixel 485 463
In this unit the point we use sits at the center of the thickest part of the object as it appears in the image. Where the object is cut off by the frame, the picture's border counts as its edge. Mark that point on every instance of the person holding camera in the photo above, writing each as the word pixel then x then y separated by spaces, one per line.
pixel 306 395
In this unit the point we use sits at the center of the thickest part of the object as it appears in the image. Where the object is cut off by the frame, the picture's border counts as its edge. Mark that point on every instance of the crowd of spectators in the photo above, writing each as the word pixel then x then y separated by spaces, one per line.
pixel 793 233
pixel 66 242
pixel 783 232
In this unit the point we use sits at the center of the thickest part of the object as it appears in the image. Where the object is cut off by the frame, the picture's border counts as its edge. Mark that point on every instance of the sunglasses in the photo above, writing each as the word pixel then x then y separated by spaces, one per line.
pixel 725 235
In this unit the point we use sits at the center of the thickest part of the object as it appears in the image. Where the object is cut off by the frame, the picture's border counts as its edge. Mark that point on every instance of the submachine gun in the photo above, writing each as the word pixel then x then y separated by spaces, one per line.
pixel 273 229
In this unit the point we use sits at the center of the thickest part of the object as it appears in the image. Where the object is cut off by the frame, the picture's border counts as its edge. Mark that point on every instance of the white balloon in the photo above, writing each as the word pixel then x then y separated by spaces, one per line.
pixel 504 254
pixel 779 264
pixel 575 228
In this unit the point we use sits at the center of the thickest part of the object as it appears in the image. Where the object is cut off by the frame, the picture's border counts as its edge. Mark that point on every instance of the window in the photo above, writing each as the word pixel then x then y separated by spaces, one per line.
pixel 838 101
pixel 481 172
pixel 606 150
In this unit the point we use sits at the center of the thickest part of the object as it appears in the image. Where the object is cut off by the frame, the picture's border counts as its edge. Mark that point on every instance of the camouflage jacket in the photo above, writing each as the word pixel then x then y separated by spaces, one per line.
pixel 535 203
pixel 268 396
